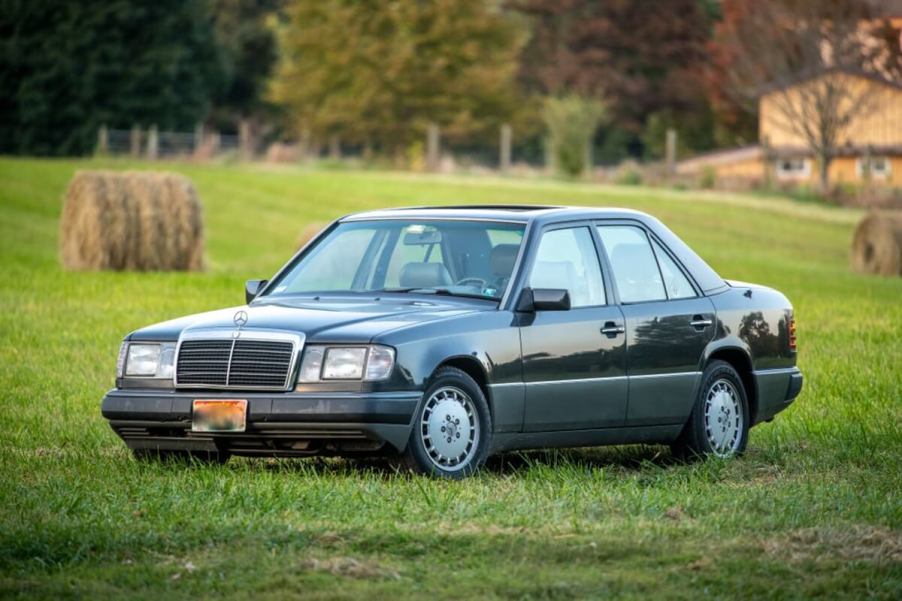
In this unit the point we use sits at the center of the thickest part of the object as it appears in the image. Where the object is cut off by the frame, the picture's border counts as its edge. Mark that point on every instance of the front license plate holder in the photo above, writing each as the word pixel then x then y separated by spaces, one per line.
pixel 219 415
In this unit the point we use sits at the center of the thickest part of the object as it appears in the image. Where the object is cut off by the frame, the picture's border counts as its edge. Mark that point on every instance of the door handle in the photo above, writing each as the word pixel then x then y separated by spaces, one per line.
pixel 611 329
pixel 699 322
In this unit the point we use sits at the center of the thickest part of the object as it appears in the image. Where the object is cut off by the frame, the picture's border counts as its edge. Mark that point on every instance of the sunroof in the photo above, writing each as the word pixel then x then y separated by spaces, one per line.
pixel 518 208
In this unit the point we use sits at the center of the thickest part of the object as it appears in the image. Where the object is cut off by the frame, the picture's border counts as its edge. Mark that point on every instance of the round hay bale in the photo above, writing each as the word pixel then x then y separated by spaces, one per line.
pixel 131 221
pixel 877 244
pixel 310 232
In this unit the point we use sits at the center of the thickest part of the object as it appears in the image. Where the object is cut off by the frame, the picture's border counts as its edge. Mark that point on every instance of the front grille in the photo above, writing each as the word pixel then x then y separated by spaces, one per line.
pixel 251 364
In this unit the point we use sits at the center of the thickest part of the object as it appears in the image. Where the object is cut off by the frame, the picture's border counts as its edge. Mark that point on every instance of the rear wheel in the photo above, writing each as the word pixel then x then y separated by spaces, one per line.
pixel 719 423
pixel 452 431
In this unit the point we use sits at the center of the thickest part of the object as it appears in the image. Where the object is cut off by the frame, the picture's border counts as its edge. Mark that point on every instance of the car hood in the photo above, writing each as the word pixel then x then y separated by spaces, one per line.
pixel 325 320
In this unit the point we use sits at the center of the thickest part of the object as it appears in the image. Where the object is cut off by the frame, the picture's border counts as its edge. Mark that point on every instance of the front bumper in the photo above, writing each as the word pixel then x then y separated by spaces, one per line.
pixel 289 424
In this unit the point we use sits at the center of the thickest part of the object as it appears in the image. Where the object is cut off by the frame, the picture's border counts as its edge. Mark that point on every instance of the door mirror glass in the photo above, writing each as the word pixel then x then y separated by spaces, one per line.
pixel 566 260
pixel 252 288
pixel 543 299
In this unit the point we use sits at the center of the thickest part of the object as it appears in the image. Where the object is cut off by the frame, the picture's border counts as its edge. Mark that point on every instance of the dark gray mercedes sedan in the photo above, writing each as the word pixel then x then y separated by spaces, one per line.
pixel 448 334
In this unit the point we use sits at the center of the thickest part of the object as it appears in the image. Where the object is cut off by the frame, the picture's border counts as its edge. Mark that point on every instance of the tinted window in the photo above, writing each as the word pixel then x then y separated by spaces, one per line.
pixel 675 282
pixel 633 262
pixel 566 259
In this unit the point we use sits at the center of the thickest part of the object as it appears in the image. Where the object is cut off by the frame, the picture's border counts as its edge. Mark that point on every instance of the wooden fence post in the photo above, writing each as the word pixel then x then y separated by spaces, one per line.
pixel 134 141
pixel 670 151
pixel 550 155
pixel 198 137
pixel 433 147
pixel 244 139
pixel 588 160
pixel 504 162
pixel 103 140
pixel 305 145
pixel 153 143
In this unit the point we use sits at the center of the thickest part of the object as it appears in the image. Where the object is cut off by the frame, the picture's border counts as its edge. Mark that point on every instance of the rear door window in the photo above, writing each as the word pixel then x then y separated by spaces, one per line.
pixel 633 263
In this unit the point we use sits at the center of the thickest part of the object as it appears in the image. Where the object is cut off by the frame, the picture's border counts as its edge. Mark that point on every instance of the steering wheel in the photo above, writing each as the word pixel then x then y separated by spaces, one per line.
pixel 464 281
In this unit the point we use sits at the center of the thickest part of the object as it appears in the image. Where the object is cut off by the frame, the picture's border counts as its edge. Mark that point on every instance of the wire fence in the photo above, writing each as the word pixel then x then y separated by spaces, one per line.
pixel 437 154
pixel 153 144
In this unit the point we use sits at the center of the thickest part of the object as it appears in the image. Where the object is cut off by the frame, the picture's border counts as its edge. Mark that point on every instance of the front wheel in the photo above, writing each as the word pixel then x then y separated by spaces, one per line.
pixel 719 423
pixel 452 431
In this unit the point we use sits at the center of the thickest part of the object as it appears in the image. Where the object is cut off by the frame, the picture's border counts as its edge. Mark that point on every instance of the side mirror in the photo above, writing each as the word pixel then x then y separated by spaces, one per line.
pixel 543 299
pixel 252 288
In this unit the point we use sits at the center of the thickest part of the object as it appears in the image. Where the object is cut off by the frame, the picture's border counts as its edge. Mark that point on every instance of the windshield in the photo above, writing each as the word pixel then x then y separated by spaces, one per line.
pixel 465 258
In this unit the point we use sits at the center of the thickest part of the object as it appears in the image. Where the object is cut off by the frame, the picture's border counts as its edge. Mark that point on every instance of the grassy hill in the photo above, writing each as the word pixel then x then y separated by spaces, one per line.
pixel 813 509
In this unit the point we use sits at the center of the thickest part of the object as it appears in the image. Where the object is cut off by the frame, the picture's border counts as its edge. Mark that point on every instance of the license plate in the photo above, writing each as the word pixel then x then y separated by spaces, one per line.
pixel 219 415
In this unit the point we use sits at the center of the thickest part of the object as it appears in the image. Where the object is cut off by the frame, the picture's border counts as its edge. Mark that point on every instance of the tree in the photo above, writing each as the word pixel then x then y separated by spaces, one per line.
pixel 246 37
pixel 641 57
pixel 800 53
pixel 379 72
pixel 68 67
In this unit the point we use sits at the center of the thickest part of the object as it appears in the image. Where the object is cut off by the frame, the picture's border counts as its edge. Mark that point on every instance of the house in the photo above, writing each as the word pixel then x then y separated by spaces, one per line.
pixel 868 149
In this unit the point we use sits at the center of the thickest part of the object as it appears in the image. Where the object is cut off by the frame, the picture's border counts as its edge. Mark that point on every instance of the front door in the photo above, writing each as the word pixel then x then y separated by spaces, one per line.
pixel 668 325
pixel 574 362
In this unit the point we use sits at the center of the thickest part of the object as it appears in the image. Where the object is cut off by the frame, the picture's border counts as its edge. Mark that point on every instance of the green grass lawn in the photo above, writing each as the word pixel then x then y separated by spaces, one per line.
pixel 813 509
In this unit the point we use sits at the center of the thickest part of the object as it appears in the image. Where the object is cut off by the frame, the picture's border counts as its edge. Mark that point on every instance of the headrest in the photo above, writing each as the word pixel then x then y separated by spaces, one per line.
pixel 424 275
pixel 554 274
pixel 503 258
pixel 635 259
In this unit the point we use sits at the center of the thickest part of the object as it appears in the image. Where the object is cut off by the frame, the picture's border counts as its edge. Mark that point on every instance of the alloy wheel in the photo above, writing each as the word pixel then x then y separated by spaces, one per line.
pixel 723 418
pixel 449 428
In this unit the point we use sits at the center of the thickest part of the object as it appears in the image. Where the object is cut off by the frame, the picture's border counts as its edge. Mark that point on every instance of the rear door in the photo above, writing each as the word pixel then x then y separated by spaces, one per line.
pixel 668 324
pixel 574 362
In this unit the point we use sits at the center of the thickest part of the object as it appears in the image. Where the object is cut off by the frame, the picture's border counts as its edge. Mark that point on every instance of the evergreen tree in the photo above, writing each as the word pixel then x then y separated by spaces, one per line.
pixel 68 67
pixel 245 34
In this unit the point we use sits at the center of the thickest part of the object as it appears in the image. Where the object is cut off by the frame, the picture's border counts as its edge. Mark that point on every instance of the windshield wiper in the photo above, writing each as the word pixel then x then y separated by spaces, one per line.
pixel 440 292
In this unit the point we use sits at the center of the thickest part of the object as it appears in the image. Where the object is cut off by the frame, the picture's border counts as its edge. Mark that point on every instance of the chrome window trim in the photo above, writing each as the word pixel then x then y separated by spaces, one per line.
pixel 296 339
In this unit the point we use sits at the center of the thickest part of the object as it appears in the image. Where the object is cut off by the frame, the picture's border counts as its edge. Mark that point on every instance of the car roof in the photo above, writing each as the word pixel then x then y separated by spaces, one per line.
pixel 500 212
pixel 541 215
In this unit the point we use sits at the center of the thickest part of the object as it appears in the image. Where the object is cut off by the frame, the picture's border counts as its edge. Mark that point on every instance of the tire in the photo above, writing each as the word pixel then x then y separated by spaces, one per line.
pixel 719 423
pixel 454 408
pixel 207 458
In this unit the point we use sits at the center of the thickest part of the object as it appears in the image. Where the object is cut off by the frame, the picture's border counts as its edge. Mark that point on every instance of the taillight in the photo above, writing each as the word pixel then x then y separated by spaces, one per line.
pixel 792 333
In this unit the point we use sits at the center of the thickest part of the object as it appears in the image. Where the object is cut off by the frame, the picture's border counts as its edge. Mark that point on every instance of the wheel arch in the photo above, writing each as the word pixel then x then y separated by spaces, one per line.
pixel 474 368
pixel 740 360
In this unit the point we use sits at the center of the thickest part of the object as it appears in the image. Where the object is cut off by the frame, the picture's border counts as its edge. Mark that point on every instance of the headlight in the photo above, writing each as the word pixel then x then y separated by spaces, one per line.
pixel 344 363
pixel 367 363
pixel 147 360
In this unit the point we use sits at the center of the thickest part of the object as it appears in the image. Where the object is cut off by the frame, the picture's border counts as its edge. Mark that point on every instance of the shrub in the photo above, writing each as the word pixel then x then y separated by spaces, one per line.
pixel 708 178
pixel 572 122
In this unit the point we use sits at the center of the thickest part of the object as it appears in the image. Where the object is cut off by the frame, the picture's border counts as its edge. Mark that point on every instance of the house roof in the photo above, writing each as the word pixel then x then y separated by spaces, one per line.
pixel 815 73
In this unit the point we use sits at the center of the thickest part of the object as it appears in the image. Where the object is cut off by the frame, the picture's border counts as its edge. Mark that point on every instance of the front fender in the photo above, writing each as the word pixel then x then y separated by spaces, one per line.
pixel 490 340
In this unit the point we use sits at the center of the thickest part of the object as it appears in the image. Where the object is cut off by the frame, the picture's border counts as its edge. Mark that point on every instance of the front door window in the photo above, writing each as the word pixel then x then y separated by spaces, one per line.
pixel 566 260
